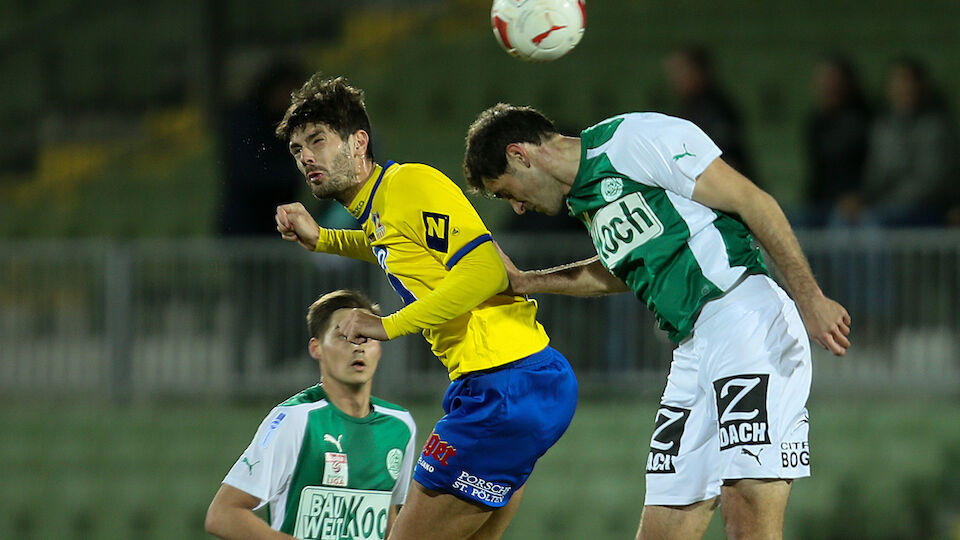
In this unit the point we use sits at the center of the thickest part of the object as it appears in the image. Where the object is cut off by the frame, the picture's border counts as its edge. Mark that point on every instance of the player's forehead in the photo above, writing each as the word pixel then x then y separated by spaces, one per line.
pixel 339 315
pixel 500 187
pixel 309 130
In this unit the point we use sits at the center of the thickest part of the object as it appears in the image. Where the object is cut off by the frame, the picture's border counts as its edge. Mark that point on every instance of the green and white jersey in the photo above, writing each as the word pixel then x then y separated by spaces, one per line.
pixel 326 474
pixel 634 192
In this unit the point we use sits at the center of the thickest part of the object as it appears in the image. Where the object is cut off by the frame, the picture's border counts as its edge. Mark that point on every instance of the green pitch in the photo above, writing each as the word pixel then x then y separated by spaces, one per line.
pixel 882 470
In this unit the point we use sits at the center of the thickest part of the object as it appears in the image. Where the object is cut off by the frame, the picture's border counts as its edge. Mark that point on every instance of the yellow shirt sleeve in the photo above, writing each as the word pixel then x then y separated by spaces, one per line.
pixel 345 242
pixel 431 210
pixel 477 276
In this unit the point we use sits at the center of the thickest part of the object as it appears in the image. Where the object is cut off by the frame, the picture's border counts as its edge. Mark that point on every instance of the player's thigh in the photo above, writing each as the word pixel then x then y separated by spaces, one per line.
pixel 683 460
pixel 493 528
pixel 688 522
pixel 428 515
pixel 754 508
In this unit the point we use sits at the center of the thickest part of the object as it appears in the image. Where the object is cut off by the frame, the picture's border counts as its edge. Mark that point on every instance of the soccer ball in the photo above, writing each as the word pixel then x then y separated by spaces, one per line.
pixel 538 30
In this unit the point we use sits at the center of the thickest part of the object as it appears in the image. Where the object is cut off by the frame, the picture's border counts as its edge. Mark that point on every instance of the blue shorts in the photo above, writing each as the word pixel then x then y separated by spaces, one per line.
pixel 498 423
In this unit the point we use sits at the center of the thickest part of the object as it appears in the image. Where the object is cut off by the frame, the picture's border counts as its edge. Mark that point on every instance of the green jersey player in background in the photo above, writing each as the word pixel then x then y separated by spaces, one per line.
pixel 331 461
pixel 675 224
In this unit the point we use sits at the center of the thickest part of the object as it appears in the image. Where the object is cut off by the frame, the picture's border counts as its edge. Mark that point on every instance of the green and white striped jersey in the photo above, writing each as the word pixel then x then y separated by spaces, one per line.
pixel 326 474
pixel 633 192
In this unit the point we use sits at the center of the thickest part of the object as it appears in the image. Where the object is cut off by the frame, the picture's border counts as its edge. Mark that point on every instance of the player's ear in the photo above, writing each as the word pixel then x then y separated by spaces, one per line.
pixel 313 347
pixel 517 153
pixel 361 139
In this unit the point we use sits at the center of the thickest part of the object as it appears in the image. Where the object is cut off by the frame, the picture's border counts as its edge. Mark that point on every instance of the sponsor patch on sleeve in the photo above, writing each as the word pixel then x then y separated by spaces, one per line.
pixel 437 227
pixel 272 430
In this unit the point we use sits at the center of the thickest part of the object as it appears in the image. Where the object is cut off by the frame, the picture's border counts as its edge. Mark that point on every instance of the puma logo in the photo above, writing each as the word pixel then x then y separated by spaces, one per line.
pixel 249 465
pixel 685 153
pixel 751 454
pixel 542 36
pixel 329 438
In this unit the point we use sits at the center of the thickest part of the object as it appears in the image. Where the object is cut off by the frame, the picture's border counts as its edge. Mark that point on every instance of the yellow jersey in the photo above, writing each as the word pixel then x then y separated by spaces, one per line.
pixel 418 226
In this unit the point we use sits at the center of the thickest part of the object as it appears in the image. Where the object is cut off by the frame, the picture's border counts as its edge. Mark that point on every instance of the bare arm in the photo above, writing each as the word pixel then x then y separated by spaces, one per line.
pixel 582 278
pixel 722 188
pixel 230 516
pixel 392 518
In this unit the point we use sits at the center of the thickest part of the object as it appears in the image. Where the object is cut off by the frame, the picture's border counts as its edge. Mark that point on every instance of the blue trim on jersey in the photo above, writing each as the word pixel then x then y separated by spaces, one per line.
pixel 366 211
pixel 398 286
pixel 468 248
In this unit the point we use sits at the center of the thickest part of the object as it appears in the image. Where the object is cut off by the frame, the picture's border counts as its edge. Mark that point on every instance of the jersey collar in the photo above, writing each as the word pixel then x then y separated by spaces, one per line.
pixel 360 206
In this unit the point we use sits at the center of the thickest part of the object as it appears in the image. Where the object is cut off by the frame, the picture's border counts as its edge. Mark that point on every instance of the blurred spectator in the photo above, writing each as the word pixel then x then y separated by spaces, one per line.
pixel 689 70
pixel 836 135
pixel 911 164
pixel 258 172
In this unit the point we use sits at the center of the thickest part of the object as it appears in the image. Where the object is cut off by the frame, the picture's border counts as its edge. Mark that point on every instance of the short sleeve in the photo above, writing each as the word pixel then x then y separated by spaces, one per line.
pixel 660 151
pixel 266 466
pixel 688 149
pixel 435 213
pixel 402 486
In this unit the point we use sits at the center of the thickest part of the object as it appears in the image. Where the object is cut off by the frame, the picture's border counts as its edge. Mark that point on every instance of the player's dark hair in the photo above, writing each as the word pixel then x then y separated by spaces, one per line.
pixel 329 101
pixel 319 313
pixel 487 139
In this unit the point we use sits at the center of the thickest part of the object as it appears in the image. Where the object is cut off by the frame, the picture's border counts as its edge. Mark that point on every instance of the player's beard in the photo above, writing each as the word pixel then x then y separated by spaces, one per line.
pixel 341 175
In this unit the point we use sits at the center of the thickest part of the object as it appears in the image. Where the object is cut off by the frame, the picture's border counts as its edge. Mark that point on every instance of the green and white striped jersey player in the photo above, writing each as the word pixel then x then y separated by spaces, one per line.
pixel 675 225
pixel 634 191
pixel 326 474
pixel 332 462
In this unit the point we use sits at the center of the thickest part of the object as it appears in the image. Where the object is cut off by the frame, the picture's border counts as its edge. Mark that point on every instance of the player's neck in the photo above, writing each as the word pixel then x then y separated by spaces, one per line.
pixel 561 158
pixel 353 401
pixel 365 170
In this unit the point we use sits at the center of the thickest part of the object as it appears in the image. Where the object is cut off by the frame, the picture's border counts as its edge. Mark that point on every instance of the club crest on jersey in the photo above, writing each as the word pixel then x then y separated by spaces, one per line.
pixel 394 462
pixel 437 227
pixel 335 471
pixel 378 229
pixel 611 188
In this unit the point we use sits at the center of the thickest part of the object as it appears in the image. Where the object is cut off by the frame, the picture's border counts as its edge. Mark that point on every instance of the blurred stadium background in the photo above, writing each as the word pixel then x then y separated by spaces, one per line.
pixel 140 347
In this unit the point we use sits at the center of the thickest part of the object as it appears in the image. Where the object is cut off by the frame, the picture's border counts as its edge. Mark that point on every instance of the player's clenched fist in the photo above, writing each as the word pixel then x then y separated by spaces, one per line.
pixel 359 325
pixel 297 225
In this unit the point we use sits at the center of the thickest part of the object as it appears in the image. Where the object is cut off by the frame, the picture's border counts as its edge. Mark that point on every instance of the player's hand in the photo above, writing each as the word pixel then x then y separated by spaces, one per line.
pixel 515 276
pixel 295 224
pixel 359 326
pixel 828 323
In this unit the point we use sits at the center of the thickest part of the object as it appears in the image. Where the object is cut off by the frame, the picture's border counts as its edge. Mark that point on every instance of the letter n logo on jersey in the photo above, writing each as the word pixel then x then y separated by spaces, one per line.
pixel 437 226
pixel 742 410
pixel 665 441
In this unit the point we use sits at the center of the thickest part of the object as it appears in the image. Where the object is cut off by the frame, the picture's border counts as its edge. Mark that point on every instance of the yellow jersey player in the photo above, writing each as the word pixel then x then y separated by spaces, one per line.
pixel 511 396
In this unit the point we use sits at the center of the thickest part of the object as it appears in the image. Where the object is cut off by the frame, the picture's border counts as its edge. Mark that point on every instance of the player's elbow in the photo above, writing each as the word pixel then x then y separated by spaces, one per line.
pixel 501 280
pixel 216 521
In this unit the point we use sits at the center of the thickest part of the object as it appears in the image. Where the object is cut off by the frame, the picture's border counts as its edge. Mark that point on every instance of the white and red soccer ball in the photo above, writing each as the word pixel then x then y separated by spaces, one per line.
pixel 538 30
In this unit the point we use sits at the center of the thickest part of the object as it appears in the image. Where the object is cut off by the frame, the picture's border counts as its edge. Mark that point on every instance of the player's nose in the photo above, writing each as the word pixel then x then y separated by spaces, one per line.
pixel 307 157
pixel 518 207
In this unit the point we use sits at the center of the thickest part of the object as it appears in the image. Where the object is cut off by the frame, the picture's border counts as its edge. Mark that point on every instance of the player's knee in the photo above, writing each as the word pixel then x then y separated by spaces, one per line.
pixel 750 516
pixel 750 528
